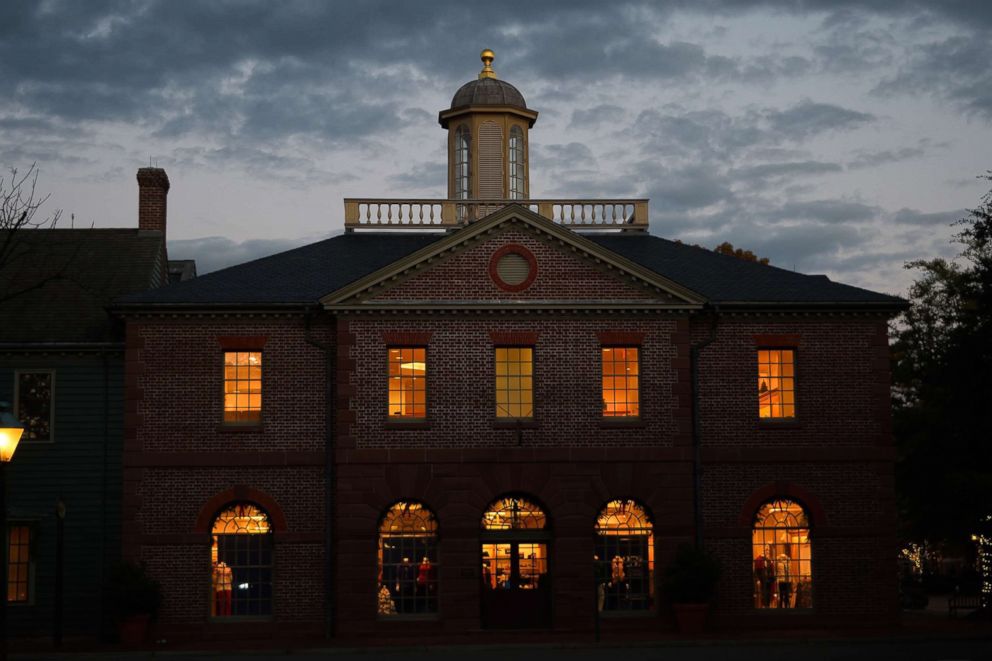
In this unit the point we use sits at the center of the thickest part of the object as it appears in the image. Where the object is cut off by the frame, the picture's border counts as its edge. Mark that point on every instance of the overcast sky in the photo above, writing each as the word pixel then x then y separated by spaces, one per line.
pixel 831 136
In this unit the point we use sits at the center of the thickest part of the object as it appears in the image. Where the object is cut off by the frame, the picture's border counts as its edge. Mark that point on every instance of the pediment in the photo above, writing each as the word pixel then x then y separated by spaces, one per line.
pixel 514 258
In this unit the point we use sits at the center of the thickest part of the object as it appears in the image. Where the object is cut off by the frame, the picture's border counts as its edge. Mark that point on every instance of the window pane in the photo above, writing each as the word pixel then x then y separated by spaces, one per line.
pixel 408 561
pixel 406 382
pixel 619 382
pixel 781 556
pixel 624 558
pixel 18 563
pixel 241 562
pixel 776 384
pixel 242 386
pixel 514 383
pixel 34 405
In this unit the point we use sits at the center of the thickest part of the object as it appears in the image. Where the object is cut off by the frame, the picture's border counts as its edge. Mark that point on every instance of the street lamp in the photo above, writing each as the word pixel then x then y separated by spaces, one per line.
pixel 10 436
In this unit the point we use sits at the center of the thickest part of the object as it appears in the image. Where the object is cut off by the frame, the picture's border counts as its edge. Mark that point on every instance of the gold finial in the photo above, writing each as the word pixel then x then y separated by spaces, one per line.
pixel 487 64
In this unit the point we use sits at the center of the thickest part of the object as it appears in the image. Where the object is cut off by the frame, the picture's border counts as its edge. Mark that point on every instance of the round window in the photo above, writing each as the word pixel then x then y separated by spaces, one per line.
pixel 513 268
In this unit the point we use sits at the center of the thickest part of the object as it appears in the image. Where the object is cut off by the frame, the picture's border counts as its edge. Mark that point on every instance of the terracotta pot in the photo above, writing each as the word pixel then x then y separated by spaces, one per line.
pixel 691 618
pixel 134 629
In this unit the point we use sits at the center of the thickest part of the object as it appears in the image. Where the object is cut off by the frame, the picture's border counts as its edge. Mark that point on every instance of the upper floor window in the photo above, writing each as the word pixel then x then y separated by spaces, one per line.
pixel 33 404
pixel 776 383
pixel 408 561
pixel 242 386
pixel 407 382
pixel 462 141
pixel 621 382
pixel 515 382
pixel 18 563
pixel 781 556
pixel 241 567
pixel 516 164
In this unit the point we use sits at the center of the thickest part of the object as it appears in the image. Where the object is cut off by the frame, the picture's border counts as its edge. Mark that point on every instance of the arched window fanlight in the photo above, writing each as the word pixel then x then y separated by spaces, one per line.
pixel 516 164
pixel 624 557
pixel 408 561
pixel 514 513
pixel 781 556
pixel 241 562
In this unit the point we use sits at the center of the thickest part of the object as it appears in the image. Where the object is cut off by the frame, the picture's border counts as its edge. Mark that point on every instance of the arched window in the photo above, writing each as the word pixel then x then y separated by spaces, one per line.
pixel 781 556
pixel 408 561
pixel 624 557
pixel 462 141
pixel 516 164
pixel 514 548
pixel 241 562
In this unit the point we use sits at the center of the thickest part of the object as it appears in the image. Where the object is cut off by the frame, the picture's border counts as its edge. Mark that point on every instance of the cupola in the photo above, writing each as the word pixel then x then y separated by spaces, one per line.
pixel 487 127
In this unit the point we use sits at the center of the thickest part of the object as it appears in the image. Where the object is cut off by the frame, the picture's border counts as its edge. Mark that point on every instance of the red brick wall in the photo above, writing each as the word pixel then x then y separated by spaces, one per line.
pixel 561 275
pixel 179 459
pixel 567 384
pixel 838 453
pixel 842 382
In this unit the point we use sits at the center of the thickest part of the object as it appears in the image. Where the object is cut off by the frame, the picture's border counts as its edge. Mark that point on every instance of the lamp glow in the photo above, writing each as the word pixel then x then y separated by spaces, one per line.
pixel 10 433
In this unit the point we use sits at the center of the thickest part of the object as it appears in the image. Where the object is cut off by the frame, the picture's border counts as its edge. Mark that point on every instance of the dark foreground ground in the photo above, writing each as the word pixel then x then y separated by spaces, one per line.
pixel 936 650
pixel 922 636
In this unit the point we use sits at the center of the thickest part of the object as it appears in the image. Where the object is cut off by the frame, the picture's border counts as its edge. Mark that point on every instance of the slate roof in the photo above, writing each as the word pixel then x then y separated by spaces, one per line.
pixel 56 284
pixel 304 275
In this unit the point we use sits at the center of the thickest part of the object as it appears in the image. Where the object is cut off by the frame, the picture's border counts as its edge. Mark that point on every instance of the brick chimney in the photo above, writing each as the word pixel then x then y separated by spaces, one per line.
pixel 153 189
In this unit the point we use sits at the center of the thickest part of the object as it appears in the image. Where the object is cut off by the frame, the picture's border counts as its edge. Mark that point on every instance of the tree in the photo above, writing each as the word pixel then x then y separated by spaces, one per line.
pixel 727 248
pixel 942 372
pixel 21 260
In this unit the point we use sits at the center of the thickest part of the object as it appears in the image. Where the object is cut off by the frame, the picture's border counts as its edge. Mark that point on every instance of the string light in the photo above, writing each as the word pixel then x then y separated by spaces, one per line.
pixel 983 542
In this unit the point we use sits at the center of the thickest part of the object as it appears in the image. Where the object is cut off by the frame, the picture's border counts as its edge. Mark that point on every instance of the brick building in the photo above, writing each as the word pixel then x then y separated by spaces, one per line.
pixel 492 411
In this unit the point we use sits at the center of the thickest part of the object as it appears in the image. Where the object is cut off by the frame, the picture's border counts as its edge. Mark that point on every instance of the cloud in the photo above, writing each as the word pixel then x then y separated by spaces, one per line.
pixel 808 118
pixel 943 219
pixel 217 252
pixel 593 118
pixel 954 68
pixel 828 211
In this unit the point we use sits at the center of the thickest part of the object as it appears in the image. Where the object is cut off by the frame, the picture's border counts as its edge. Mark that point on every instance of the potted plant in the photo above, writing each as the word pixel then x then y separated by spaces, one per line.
pixel 135 598
pixel 690 583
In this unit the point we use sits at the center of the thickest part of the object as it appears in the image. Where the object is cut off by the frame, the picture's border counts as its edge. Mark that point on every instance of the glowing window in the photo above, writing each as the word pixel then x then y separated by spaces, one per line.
pixel 776 383
pixel 242 386
pixel 514 382
pixel 241 563
pixel 781 556
pixel 18 563
pixel 624 558
pixel 516 164
pixel 621 382
pixel 408 561
pixel 514 513
pixel 407 382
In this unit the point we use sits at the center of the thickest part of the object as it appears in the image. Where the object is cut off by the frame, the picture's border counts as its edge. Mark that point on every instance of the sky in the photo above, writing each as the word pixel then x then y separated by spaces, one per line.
pixel 840 137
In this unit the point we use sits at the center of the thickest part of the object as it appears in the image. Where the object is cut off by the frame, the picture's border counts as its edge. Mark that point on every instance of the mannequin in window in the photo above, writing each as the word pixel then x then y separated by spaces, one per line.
pixel 783 574
pixel 487 573
pixel 406 579
pixel 764 573
pixel 617 574
pixel 222 577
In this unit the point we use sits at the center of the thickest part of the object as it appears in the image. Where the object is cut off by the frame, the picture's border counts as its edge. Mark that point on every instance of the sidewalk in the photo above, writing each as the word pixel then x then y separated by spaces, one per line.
pixel 930 626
